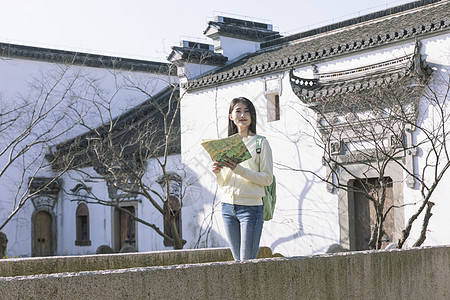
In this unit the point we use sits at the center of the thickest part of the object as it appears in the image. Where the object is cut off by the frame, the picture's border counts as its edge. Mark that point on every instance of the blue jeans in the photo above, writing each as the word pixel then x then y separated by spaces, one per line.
pixel 243 225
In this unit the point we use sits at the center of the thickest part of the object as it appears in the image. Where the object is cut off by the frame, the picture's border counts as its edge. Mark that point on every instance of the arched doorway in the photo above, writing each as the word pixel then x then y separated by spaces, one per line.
pixel 43 219
pixel 42 234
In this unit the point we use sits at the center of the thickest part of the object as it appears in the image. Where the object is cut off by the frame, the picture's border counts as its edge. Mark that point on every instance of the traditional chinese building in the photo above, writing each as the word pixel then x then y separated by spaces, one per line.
pixel 51 100
pixel 345 108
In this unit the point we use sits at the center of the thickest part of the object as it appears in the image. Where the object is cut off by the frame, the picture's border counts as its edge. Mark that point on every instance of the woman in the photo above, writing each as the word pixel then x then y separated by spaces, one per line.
pixel 243 184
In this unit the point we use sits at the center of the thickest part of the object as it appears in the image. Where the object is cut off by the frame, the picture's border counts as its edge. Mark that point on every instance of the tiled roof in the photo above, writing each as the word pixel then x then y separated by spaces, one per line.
pixel 243 29
pixel 85 59
pixel 200 56
pixel 349 22
pixel 146 116
pixel 390 29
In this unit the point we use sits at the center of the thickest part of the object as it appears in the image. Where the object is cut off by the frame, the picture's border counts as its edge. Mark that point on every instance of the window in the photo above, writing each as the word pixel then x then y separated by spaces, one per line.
pixel 273 107
pixel 82 225
pixel 272 92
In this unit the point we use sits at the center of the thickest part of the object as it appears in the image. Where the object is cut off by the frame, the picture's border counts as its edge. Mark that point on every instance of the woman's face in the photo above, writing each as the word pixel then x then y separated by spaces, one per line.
pixel 240 115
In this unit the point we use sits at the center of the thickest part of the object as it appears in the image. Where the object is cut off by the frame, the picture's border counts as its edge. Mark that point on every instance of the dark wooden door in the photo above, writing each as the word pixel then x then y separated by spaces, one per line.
pixel 365 216
pixel 42 234
pixel 127 227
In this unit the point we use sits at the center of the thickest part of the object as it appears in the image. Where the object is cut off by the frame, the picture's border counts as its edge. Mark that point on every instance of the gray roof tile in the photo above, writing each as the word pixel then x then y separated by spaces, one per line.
pixel 85 59
pixel 200 56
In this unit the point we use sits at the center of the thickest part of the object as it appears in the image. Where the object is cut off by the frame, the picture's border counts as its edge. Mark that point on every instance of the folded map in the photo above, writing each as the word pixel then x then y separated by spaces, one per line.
pixel 231 147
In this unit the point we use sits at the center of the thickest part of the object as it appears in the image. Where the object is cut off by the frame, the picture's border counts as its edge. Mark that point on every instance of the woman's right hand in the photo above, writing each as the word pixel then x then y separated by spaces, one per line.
pixel 216 167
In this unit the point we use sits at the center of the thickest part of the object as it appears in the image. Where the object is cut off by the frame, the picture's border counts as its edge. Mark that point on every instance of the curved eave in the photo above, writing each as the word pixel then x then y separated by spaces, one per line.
pixel 197 56
pixel 331 86
pixel 329 91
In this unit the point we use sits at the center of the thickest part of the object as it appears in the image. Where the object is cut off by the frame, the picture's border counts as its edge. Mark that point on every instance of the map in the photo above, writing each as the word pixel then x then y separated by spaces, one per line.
pixel 231 147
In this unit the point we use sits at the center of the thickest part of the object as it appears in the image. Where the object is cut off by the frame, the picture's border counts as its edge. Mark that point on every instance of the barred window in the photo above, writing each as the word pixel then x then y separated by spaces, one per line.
pixel 82 225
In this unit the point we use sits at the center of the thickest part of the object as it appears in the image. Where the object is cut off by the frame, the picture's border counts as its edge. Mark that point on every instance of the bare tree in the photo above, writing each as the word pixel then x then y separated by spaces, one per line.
pixel 380 128
pixel 29 124
pixel 123 150
pixel 433 128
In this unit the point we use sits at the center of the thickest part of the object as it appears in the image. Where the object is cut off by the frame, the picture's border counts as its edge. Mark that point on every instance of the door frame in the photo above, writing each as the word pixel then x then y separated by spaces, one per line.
pixel 116 230
pixel 346 201
pixel 53 232
pixel 364 213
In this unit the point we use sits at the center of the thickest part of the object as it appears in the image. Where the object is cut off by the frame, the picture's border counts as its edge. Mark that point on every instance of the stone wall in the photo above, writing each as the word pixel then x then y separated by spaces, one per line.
pixel 421 273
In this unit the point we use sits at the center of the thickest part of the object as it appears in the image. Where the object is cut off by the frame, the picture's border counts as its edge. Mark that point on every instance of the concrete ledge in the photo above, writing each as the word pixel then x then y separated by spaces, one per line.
pixel 62 264
pixel 422 273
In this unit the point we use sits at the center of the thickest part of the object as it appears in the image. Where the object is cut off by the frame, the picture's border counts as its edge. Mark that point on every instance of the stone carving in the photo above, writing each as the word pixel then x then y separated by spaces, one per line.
pixel 335 147
pixel 44 202
pixel 46 192
pixel 127 249
pixel 104 249
pixel 336 248
pixel 3 244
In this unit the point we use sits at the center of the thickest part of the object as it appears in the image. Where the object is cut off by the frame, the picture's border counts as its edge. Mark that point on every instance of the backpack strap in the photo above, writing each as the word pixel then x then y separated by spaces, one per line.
pixel 259 139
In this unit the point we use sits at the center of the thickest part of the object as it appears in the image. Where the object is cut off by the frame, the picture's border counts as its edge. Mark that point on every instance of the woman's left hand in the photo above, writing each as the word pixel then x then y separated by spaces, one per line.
pixel 216 167
pixel 230 164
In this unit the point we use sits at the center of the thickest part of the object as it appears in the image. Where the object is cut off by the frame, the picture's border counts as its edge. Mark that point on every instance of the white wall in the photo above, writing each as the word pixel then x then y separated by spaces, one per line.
pixel 233 48
pixel 191 70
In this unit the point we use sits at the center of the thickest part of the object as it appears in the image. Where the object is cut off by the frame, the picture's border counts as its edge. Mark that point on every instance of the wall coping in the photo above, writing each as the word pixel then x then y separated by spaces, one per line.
pixel 418 273
pixel 78 263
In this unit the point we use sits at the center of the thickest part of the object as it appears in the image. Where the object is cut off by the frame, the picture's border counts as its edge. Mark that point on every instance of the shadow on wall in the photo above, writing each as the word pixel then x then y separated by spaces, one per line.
pixel 204 231
pixel 294 168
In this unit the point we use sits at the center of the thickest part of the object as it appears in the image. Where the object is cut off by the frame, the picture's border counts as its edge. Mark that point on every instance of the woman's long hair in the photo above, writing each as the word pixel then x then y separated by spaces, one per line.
pixel 232 129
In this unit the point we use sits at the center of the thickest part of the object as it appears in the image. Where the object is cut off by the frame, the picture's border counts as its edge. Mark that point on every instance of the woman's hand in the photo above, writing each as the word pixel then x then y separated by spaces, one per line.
pixel 230 164
pixel 216 167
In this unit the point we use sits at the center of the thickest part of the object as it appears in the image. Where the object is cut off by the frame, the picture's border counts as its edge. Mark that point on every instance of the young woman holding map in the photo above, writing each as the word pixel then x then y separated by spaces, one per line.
pixel 243 184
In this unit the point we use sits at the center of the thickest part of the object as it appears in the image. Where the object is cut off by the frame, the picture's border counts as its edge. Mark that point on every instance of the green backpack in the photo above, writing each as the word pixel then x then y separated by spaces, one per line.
pixel 270 198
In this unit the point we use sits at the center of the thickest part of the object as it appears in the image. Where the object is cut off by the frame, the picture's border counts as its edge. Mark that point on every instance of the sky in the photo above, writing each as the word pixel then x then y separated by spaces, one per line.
pixel 147 29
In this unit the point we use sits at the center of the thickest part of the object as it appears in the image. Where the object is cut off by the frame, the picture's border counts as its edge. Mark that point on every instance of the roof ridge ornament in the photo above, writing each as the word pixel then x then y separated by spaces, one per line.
pixel 419 66
pixel 305 83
